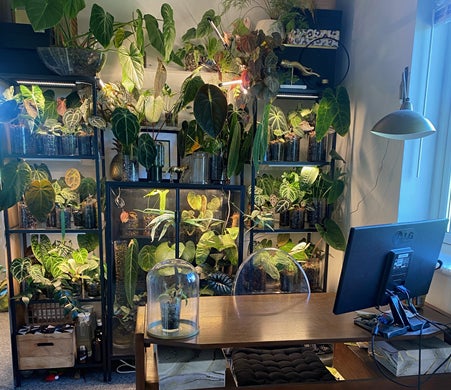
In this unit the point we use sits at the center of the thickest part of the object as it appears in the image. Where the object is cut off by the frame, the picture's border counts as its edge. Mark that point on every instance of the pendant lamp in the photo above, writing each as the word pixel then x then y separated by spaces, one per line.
pixel 404 124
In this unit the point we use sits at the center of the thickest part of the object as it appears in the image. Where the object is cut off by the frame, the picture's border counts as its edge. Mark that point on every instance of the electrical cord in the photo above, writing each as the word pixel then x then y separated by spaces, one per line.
pixel 122 368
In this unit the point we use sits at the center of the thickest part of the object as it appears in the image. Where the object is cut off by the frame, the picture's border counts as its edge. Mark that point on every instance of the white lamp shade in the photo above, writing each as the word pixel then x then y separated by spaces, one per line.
pixel 403 124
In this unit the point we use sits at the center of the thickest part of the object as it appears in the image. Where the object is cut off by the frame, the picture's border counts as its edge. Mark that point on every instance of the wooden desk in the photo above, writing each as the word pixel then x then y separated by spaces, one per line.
pixel 261 320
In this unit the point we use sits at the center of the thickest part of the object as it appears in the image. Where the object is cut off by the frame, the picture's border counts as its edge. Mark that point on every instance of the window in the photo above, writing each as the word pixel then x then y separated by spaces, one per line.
pixel 426 180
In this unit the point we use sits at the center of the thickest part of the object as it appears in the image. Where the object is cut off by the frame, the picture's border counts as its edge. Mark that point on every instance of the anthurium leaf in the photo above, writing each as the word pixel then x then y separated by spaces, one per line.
pixel 164 252
pixel 15 177
pixel 131 270
pixel 147 150
pixel 261 138
pixel 210 109
pixel 88 187
pixel 342 120
pixel 101 25
pixel 146 257
pixel 188 92
pixel 277 121
pixel 89 241
pixel 335 191
pixel 332 234
pixel 19 268
pixel 40 199
pixel 194 200
pixel 125 126
pixel 40 246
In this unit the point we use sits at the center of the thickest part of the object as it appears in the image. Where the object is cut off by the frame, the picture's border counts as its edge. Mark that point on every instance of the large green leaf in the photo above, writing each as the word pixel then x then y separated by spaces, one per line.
pixel 168 30
pixel 90 241
pixel 332 234
pixel 132 65
pixel 40 246
pixel 15 177
pixel 146 257
pixel 147 150
pixel 131 270
pixel 261 138
pixel 44 14
pixel 307 177
pixel 125 126
pixel 40 199
pixel 88 187
pixel 210 109
pixel 101 25
pixel 20 268
pixel 333 111
pixel 277 121
pixel 188 92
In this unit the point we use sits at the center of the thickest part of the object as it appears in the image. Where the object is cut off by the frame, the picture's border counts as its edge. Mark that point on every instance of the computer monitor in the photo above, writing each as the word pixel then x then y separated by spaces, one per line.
pixel 380 258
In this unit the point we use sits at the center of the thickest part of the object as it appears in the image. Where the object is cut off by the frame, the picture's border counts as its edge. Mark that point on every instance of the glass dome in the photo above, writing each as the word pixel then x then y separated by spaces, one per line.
pixel 270 270
pixel 172 300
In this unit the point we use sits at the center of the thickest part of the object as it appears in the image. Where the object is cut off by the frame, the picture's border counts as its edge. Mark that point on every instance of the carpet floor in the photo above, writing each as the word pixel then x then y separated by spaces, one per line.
pixel 69 379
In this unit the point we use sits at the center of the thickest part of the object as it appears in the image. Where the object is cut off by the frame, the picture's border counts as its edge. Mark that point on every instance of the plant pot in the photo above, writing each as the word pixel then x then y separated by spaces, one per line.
pixel 217 169
pixel 288 281
pixel 297 218
pixel 68 145
pixel 316 212
pixel 49 144
pixel 284 219
pixel 22 139
pixel 85 145
pixel 276 151
pixel 313 268
pixel 71 61
pixel 63 218
pixel 90 215
pixel 26 219
pixel 130 168
pixel 316 150
pixel 170 316
pixel 199 168
pixel 292 146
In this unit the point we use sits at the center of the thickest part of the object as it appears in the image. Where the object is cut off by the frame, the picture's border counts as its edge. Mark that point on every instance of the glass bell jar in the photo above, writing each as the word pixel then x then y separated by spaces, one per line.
pixel 172 300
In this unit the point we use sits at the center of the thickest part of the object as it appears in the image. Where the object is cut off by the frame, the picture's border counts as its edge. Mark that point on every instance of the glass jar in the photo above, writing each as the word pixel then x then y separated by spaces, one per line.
pixel 200 170
pixel 172 300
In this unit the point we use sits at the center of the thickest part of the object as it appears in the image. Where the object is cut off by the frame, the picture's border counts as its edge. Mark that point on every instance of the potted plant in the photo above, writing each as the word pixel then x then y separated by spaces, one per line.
pixel 170 304
pixel 44 273
pixel 104 34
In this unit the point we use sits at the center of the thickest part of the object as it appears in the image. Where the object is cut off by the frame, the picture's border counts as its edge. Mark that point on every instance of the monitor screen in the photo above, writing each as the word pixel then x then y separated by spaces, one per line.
pixel 380 257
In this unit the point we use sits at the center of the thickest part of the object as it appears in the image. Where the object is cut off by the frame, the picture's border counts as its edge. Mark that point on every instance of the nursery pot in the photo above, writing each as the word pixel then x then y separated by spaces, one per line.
pixel 170 315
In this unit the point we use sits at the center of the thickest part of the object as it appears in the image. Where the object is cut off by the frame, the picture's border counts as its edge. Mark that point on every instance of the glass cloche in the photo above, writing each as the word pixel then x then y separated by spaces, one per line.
pixel 172 300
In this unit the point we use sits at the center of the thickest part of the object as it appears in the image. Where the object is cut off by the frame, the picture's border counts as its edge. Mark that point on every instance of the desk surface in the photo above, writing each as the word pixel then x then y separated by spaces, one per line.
pixel 269 320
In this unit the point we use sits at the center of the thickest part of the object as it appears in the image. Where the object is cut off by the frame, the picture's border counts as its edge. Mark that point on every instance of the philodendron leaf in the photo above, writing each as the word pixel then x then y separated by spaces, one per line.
pixel 131 270
pixel 332 234
pixel 40 199
pixel 210 109
pixel 132 65
pixel 333 111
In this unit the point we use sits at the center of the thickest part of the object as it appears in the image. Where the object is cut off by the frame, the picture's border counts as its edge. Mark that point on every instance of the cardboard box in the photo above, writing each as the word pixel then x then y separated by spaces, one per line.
pixel 185 368
pixel 38 351
pixel 401 357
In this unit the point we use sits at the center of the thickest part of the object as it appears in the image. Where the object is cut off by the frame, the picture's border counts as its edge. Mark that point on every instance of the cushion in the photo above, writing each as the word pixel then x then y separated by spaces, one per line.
pixel 256 366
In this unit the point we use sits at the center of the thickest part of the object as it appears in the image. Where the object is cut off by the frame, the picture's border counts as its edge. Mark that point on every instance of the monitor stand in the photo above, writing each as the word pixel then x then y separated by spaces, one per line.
pixel 401 318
